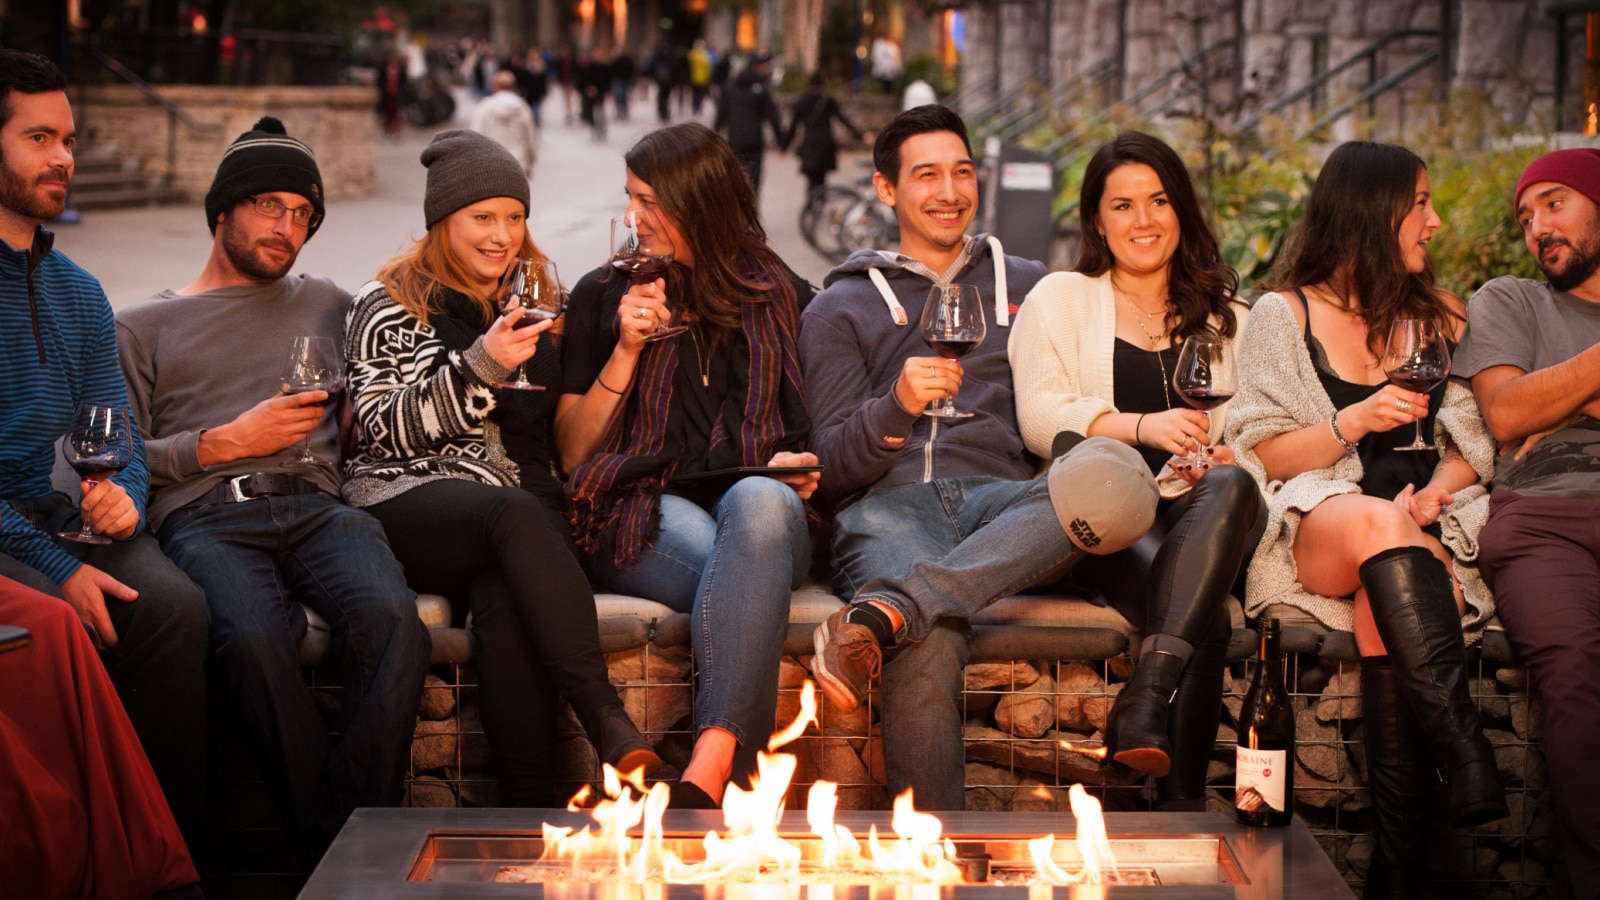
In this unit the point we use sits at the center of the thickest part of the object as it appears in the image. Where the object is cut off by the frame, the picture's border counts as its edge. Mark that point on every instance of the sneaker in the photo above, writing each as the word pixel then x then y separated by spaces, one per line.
pixel 848 658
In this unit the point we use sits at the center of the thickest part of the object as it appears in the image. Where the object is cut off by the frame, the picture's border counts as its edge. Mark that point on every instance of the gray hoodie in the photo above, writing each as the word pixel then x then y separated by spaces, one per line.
pixel 853 353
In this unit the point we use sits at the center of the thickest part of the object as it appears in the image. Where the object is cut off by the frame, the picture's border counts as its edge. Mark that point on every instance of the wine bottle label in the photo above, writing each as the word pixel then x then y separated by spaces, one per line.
pixel 1260 777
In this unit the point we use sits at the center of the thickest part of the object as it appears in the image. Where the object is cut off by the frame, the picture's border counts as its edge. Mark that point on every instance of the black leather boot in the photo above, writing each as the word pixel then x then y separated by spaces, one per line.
pixel 1192 723
pixel 1401 776
pixel 1136 733
pixel 618 742
pixel 1414 607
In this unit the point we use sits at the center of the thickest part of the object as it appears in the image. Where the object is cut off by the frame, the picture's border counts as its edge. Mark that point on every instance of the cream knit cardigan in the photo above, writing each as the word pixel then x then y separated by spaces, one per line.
pixel 1278 393
pixel 1061 350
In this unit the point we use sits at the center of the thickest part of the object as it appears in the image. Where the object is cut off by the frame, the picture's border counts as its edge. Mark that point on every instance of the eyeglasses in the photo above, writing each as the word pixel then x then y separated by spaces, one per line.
pixel 302 216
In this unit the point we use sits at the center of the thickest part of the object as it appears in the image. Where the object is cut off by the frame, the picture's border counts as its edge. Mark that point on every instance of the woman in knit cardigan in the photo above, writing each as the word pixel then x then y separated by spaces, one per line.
pixel 1092 353
pixel 635 418
pixel 1359 534
pixel 461 473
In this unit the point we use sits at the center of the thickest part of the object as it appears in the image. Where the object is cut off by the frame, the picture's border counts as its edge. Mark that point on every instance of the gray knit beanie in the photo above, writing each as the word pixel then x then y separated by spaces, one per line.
pixel 264 160
pixel 465 167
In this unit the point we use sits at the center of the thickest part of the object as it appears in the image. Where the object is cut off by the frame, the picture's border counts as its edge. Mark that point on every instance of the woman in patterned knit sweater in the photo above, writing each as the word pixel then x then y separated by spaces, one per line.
pixel 724 394
pixel 460 473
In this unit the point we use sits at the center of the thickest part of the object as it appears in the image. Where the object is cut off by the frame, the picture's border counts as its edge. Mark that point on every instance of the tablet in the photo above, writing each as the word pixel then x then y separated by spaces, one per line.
pixel 716 477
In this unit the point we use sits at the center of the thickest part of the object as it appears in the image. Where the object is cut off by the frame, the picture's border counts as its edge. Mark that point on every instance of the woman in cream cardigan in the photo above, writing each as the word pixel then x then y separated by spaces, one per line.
pixel 1360 534
pixel 1092 353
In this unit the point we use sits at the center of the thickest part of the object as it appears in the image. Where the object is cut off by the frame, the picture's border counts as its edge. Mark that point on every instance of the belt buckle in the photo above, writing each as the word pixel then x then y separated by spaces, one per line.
pixel 236 489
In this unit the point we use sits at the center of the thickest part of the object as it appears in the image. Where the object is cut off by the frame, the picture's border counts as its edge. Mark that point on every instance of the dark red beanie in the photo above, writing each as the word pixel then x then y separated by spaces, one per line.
pixel 1578 168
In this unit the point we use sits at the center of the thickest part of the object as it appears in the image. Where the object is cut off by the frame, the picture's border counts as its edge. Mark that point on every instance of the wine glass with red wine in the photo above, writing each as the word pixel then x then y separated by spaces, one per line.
pixel 641 249
pixel 1417 359
pixel 314 365
pixel 534 286
pixel 98 446
pixel 1204 379
pixel 952 324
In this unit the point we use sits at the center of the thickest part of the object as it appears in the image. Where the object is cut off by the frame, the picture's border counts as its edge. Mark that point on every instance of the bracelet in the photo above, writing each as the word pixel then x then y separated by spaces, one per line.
pixel 602 382
pixel 1333 426
pixel 1136 426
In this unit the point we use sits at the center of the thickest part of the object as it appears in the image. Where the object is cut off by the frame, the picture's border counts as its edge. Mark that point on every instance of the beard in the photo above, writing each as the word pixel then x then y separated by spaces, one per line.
pixel 27 198
pixel 1581 263
pixel 242 252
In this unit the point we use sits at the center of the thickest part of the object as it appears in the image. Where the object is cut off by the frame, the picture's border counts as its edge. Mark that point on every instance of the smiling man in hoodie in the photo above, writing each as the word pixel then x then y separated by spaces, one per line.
pixel 936 519
pixel 58 348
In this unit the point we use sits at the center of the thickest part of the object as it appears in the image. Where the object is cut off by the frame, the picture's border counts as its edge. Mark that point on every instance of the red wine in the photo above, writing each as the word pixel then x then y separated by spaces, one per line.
pixel 1264 761
pixel 333 393
pixel 533 315
pixel 100 466
pixel 1205 399
pixel 642 269
pixel 953 349
pixel 1421 377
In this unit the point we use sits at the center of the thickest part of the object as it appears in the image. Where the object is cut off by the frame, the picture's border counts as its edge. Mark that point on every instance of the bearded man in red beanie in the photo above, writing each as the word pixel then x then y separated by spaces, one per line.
pixel 1532 350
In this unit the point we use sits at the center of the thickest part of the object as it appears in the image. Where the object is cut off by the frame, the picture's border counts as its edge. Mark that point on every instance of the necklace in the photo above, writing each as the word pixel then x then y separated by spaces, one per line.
pixel 1154 339
pixel 705 376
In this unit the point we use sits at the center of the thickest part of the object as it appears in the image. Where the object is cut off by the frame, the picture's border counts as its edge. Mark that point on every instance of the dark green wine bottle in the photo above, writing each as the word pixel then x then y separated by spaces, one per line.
pixel 1264 764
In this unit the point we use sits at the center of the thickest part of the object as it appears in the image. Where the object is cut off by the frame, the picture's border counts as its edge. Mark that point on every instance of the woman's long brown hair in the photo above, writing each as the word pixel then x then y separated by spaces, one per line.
pixel 1349 240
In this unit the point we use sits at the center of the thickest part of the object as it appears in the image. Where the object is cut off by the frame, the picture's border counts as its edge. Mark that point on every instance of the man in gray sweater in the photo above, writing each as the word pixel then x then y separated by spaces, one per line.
pixel 257 527
pixel 937 518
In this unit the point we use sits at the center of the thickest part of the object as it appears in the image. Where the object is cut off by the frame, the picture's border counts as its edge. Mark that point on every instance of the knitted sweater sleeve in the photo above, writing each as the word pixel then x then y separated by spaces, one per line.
pixel 1047 363
pixel 406 404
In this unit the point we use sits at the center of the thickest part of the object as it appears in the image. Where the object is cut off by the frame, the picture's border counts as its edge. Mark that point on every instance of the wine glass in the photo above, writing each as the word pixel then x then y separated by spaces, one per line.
pixel 952 324
pixel 314 365
pixel 641 249
pixel 1204 379
pixel 98 446
pixel 533 285
pixel 1417 358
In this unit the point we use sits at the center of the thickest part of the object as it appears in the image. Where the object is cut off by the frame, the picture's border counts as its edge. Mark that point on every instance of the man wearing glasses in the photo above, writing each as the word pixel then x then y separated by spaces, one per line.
pixel 257 524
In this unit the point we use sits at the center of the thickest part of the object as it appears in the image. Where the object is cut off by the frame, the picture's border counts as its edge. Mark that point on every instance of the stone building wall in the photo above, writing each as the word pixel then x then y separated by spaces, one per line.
pixel 338 123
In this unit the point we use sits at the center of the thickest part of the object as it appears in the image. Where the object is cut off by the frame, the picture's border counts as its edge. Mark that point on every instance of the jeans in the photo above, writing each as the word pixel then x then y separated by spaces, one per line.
pixel 938 552
pixel 727 568
pixel 158 665
pixel 256 561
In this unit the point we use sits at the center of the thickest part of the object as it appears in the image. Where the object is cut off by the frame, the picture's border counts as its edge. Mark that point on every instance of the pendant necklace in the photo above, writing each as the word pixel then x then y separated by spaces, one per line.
pixel 1154 339
pixel 705 376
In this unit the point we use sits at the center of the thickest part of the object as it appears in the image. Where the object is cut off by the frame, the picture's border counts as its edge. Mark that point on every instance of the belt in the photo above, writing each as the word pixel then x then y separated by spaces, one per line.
pixel 251 487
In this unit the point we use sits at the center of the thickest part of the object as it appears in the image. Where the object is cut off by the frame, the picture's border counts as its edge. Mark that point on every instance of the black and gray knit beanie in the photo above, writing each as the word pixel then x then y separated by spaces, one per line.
pixel 465 167
pixel 262 160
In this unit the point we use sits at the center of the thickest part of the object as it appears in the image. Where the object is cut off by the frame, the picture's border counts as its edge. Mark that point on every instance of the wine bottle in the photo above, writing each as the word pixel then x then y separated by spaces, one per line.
pixel 1264 764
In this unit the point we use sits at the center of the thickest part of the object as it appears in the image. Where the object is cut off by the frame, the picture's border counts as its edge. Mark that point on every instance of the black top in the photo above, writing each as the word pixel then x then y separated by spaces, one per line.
pixel 1141 383
pixel 1385 470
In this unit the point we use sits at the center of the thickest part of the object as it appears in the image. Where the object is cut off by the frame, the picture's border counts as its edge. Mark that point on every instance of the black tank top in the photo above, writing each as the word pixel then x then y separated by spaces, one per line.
pixel 1141 383
pixel 1386 470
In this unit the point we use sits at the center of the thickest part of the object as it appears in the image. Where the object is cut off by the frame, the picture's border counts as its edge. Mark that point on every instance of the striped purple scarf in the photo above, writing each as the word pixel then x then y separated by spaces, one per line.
pixel 615 496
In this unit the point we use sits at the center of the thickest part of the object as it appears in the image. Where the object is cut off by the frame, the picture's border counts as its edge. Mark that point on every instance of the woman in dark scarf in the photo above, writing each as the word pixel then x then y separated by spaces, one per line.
pixel 637 417
pixel 461 472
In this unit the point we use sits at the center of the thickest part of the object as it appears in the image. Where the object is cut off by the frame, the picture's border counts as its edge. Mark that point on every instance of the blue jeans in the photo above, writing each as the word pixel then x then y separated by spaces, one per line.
pixel 733 569
pixel 255 561
pixel 939 552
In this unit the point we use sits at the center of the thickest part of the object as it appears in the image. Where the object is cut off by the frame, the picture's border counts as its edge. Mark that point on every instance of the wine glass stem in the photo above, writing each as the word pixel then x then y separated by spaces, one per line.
pixel 1419 433
pixel 84 531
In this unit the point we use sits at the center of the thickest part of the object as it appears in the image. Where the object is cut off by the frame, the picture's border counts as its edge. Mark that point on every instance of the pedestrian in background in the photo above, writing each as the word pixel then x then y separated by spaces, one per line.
pixel 744 107
pixel 505 118
pixel 814 114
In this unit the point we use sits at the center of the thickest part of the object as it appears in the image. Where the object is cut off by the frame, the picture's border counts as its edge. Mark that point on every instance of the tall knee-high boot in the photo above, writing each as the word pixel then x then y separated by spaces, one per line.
pixel 1400 775
pixel 1414 607
pixel 1192 722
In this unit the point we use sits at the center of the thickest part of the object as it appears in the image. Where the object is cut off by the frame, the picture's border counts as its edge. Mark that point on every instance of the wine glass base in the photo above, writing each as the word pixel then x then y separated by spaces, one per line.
pixel 946 414
pixel 82 538
pixel 1417 447
pixel 664 332
pixel 520 386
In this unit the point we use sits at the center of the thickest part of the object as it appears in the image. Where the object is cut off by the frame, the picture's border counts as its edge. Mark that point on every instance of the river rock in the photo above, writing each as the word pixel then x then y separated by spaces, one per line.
pixel 1028 712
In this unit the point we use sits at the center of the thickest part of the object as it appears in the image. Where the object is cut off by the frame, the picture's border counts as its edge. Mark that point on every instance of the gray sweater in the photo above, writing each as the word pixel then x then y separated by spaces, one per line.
pixel 853 352
pixel 196 362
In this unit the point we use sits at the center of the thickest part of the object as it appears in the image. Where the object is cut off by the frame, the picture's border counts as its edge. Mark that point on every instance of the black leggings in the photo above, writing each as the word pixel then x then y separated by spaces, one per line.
pixel 533 615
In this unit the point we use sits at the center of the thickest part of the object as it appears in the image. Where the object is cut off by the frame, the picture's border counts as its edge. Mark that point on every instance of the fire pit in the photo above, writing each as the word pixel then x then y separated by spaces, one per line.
pixel 448 853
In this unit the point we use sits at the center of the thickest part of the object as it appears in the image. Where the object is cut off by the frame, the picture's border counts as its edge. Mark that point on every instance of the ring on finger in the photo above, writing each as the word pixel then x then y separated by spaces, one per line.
pixel 932 372
pixel 641 312
pixel 1403 405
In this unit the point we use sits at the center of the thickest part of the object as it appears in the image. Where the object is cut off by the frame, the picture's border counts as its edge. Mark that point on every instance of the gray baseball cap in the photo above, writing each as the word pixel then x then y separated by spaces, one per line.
pixel 1104 495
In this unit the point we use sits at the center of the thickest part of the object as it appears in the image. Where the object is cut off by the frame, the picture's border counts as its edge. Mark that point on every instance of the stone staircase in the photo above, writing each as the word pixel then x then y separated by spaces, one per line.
pixel 108 178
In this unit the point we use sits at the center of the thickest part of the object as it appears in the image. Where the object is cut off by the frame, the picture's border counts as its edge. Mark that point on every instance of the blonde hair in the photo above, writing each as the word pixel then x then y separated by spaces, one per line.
pixel 415 276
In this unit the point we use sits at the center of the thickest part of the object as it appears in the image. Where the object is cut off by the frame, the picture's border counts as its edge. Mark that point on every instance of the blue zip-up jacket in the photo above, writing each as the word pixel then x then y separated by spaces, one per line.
pixel 58 348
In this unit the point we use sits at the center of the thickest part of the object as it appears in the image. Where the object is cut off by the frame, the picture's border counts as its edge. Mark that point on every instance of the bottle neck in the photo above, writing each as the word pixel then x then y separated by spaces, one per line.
pixel 1269 646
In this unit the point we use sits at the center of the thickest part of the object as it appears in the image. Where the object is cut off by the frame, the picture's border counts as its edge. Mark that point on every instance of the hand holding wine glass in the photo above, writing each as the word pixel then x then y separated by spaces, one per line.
pixel 1204 378
pixel 1416 358
pixel 643 251
pixel 534 287
pixel 314 365
pixel 98 446
pixel 953 325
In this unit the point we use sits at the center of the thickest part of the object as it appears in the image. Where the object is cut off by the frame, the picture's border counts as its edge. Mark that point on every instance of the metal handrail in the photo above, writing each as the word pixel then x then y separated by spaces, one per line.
pixel 1368 54
pixel 1005 98
pixel 175 113
pixel 1377 87
pixel 1063 95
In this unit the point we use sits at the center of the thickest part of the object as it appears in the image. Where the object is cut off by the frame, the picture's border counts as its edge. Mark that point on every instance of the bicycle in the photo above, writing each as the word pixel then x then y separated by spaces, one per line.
pixel 837 221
